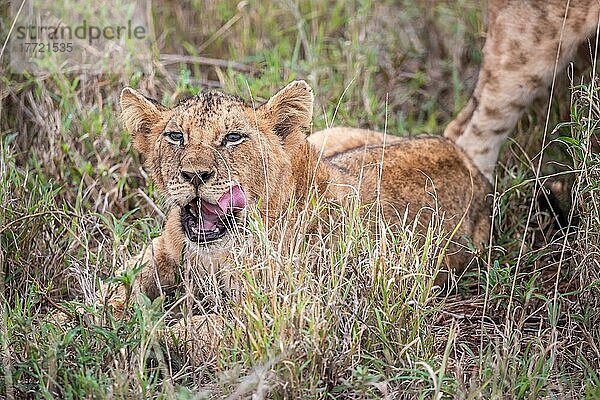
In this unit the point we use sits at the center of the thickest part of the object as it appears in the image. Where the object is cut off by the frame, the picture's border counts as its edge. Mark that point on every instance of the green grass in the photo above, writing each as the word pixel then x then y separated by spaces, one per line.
pixel 352 318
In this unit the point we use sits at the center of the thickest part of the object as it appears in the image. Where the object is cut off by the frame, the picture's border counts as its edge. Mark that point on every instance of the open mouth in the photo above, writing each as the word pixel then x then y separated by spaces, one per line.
pixel 205 222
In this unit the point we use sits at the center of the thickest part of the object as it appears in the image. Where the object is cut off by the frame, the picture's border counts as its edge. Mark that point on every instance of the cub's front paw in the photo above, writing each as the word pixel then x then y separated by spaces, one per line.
pixel 118 291
pixel 200 337
pixel 114 296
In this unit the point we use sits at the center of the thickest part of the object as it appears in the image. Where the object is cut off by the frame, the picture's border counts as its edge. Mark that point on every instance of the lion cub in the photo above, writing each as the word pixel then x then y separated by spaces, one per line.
pixel 214 157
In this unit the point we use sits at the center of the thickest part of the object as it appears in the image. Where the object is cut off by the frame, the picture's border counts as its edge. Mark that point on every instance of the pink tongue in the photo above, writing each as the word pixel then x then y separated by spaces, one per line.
pixel 234 198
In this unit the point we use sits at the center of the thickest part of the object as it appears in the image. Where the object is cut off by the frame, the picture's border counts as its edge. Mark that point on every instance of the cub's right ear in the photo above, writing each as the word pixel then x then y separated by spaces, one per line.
pixel 139 115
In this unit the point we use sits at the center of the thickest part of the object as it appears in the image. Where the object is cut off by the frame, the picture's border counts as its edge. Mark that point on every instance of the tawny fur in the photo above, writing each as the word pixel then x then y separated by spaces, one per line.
pixel 332 141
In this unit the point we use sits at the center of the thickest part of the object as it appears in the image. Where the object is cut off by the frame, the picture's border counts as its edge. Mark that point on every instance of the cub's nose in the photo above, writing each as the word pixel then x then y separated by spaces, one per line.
pixel 197 178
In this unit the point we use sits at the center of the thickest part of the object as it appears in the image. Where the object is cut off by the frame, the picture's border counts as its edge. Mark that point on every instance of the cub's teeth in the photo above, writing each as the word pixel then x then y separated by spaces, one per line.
pixel 194 208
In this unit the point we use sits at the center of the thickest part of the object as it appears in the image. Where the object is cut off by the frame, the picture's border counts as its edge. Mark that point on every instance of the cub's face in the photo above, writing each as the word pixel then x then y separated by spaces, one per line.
pixel 214 157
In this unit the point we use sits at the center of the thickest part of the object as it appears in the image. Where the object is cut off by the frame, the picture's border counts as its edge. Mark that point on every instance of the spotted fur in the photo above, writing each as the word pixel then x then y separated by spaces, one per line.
pixel 525 39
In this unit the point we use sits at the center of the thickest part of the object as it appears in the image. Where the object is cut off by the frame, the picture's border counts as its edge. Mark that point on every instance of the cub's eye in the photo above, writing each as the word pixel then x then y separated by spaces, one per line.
pixel 174 137
pixel 233 138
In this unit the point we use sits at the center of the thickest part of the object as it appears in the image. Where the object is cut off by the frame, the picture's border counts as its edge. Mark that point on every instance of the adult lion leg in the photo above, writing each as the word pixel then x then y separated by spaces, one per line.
pixel 519 56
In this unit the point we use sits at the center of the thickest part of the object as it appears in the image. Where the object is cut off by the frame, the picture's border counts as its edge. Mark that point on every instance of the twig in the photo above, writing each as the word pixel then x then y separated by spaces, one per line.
pixel 152 203
pixel 167 59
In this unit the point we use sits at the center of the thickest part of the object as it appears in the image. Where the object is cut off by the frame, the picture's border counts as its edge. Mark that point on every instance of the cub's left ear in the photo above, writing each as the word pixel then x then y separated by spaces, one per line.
pixel 290 109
